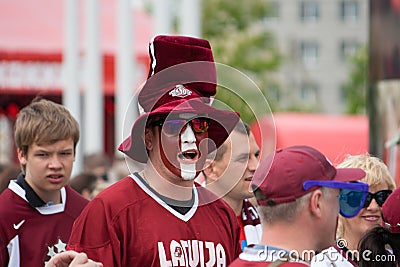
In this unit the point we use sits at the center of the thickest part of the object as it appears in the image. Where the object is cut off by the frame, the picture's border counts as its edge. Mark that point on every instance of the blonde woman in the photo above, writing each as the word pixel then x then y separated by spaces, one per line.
pixel 351 230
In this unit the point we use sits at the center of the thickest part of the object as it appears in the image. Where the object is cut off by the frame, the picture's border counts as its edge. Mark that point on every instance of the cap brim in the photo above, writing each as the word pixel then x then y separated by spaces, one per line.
pixel 349 174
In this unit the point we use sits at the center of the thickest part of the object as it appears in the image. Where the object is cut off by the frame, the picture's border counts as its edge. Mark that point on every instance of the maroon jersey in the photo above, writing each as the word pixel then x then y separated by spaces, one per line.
pixel 127 224
pixel 30 236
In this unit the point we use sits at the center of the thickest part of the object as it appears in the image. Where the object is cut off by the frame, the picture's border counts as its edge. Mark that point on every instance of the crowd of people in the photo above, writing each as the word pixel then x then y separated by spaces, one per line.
pixel 203 197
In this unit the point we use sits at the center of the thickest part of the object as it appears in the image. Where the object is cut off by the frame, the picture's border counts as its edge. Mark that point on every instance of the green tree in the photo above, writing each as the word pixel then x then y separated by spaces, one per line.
pixel 240 39
pixel 355 87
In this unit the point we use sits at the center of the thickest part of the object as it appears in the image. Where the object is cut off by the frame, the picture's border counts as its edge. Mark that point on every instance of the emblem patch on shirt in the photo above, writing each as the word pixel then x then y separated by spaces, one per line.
pixel 17 226
pixel 60 246
pixel 180 91
pixel 178 252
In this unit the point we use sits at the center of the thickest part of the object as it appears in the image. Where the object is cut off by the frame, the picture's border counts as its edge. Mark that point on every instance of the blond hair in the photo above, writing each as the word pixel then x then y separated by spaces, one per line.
pixel 376 173
pixel 44 122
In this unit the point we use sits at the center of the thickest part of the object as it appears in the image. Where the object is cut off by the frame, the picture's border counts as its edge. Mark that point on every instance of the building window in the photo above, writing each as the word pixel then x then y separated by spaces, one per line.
pixel 348 49
pixel 349 10
pixel 273 11
pixel 309 92
pixel 342 93
pixel 309 53
pixel 309 11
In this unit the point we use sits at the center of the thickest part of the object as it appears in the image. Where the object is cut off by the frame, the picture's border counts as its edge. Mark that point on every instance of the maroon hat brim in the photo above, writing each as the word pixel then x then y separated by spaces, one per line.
pixel 349 174
pixel 221 125
pixel 282 174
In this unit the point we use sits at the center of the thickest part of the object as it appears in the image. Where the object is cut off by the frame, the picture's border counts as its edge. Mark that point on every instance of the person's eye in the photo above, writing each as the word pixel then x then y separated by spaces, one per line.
pixel 66 153
pixel 242 159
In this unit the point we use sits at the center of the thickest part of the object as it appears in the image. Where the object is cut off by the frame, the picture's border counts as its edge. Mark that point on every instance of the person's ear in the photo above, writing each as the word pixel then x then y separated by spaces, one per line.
pixel 209 170
pixel 148 138
pixel 21 156
pixel 316 202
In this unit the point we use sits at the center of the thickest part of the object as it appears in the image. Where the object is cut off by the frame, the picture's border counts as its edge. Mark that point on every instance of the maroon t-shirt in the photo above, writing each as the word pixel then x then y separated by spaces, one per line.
pixel 128 224
pixel 30 236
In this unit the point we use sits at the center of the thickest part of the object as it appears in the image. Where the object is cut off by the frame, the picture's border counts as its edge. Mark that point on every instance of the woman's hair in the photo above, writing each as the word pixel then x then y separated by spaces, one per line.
pixel 375 169
pixel 376 173
pixel 379 247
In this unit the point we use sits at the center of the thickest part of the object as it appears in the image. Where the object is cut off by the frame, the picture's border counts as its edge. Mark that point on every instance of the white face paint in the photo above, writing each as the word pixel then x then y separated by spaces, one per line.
pixel 188 171
pixel 188 142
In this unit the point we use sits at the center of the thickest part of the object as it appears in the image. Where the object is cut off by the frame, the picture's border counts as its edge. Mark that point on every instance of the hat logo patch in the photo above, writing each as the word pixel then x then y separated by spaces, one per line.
pixel 180 91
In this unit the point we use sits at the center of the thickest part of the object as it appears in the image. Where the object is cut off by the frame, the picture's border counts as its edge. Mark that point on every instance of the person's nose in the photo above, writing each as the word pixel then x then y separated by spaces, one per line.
pixel 55 163
pixel 373 206
pixel 253 163
pixel 188 136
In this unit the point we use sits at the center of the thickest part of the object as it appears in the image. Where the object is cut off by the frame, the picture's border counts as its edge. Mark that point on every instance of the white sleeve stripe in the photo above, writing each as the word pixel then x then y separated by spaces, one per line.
pixel 153 57
pixel 13 252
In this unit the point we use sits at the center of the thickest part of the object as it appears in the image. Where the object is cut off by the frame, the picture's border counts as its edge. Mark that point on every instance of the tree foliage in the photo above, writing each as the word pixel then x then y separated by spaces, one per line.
pixel 240 39
pixel 355 87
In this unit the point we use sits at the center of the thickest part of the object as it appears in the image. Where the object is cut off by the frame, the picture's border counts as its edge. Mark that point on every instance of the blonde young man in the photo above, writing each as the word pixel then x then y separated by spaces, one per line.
pixel 351 230
pixel 38 209
pixel 229 175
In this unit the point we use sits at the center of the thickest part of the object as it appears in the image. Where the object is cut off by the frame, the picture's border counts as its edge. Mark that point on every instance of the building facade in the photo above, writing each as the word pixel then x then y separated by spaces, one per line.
pixel 316 39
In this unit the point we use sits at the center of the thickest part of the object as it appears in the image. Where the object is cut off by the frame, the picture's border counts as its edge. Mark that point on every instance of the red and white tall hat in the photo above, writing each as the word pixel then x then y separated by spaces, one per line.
pixel 182 79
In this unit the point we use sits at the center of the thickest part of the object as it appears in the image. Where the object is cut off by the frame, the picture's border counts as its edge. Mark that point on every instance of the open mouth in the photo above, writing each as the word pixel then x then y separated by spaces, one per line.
pixel 188 155
pixel 55 178
pixel 371 218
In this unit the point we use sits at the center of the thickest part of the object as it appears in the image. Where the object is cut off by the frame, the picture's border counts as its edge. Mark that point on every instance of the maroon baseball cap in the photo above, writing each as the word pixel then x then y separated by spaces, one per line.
pixel 182 80
pixel 391 212
pixel 281 176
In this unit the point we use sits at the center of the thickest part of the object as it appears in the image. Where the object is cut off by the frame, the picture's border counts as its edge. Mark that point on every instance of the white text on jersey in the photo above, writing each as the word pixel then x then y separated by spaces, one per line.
pixel 192 253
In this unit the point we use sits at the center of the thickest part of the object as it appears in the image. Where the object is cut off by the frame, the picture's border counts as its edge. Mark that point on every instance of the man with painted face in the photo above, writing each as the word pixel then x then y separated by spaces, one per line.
pixel 159 216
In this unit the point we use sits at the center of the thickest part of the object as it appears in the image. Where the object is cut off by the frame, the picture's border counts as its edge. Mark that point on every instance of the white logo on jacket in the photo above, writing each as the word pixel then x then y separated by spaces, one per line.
pixel 180 91
pixel 17 226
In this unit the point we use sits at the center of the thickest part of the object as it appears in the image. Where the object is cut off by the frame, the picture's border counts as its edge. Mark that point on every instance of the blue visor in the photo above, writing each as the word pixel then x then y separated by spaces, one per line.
pixel 351 198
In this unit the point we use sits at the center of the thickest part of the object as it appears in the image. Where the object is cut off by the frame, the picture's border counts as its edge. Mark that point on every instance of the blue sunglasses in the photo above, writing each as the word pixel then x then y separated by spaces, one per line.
pixel 352 195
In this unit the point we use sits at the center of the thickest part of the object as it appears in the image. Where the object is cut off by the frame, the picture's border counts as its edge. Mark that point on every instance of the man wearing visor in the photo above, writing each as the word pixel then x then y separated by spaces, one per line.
pixel 300 194
pixel 159 216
